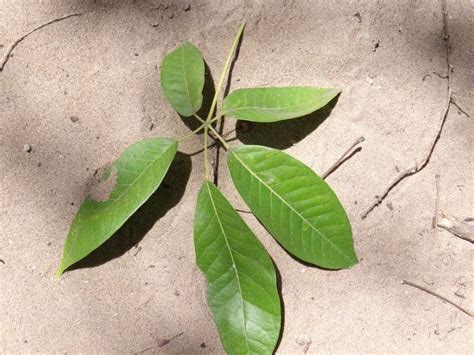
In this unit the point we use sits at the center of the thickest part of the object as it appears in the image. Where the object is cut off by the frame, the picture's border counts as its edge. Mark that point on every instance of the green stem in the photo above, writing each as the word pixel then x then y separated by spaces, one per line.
pixel 215 119
pixel 224 70
pixel 206 162
pixel 199 118
pixel 218 136
pixel 191 134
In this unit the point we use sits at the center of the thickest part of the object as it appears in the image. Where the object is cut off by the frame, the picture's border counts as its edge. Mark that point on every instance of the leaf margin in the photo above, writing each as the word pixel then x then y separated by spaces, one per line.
pixel 351 258
pixel 211 188
pixel 64 263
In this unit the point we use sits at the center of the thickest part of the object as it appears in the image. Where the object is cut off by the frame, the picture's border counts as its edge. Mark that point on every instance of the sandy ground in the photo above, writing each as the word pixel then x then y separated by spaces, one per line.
pixel 103 68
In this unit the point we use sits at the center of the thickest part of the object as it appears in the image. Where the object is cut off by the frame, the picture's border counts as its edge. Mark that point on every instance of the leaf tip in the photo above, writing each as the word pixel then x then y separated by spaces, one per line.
pixel 335 91
pixel 59 271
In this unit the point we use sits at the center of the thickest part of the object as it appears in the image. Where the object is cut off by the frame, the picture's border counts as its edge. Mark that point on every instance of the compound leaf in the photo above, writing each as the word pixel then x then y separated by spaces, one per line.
pixel 182 79
pixel 122 188
pixel 242 290
pixel 276 104
pixel 298 207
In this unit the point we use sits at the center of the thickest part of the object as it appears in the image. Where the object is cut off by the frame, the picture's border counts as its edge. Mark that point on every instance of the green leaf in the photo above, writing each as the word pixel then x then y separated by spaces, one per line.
pixel 242 290
pixel 182 79
pixel 298 207
pixel 123 187
pixel 276 104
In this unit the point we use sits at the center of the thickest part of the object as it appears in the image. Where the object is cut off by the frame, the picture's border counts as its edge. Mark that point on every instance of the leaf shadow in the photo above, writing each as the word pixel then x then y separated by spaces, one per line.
pixel 168 195
pixel 283 134
pixel 208 94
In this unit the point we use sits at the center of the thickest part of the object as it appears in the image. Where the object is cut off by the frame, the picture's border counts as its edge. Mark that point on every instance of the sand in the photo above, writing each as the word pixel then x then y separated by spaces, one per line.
pixel 79 91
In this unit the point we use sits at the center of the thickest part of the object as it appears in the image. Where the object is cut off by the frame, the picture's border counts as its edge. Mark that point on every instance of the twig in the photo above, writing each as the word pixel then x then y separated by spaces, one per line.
pixel 440 76
pixel 333 167
pixel 163 342
pixel 12 45
pixel 139 248
pixel 457 227
pixel 436 216
pixel 342 158
pixel 460 108
pixel 469 313
pixel 413 170
pixel 307 346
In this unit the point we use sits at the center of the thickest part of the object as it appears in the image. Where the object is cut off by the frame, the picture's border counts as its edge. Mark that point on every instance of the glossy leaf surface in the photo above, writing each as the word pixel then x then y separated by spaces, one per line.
pixel 276 104
pixel 123 187
pixel 298 207
pixel 182 79
pixel 242 289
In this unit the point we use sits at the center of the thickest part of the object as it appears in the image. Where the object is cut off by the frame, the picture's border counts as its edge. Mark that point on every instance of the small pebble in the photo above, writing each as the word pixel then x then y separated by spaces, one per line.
pixel 187 7
pixel 74 119
pixel 376 45
pixel 27 148
pixel 358 16
pixel 203 345
pixel 171 15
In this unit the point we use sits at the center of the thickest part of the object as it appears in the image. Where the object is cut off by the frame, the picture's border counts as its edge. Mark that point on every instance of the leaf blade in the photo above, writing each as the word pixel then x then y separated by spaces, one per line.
pixel 182 79
pixel 135 175
pixel 242 290
pixel 298 208
pixel 267 105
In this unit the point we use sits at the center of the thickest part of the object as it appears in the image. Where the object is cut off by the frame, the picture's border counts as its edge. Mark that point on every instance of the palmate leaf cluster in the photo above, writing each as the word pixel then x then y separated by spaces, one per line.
pixel 295 205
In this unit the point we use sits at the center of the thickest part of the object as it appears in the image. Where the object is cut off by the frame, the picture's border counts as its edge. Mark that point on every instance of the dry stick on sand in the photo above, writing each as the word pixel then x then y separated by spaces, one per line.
pixel 418 167
pixel 453 225
pixel 458 105
pixel 12 45
pixel 469 313
pixel 307 346
pixel 457 227
pixel 341 159
pixel 414 169
pixel 346 155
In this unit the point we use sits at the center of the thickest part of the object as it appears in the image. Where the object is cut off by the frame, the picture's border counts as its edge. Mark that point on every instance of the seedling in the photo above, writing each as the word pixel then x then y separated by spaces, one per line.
pixel 295 205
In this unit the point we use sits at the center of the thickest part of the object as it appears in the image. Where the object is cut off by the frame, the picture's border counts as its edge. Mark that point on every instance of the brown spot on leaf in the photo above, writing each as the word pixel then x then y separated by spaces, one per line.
pixel 104 182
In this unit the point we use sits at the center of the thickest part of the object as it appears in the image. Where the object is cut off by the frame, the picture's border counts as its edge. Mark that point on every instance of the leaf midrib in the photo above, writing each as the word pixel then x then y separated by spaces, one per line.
pixel 265 108
pixel 233 264
pixel 186 80
pixel 272 108
pixel 291 208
